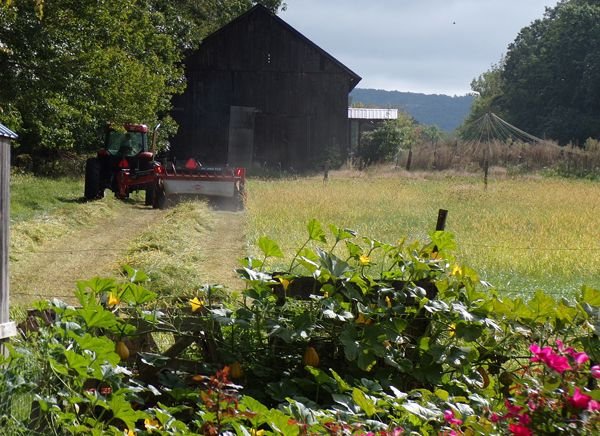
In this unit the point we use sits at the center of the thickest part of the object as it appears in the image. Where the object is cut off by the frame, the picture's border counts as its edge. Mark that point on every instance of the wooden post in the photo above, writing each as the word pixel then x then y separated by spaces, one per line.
pixel 439 226
pixel 441 220
pixel 486 167
pixel 409 159
pixel 7 328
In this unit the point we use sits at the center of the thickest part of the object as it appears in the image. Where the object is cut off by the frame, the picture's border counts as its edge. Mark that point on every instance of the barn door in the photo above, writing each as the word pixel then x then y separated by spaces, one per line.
pixel 241 136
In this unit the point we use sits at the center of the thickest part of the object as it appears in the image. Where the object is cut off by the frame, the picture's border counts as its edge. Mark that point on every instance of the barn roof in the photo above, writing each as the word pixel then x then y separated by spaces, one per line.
pixel 5 132
pixel 355 113
pixel 259 9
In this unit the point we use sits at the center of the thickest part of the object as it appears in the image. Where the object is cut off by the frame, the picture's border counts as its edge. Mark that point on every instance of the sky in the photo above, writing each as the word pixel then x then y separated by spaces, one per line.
pixel 425 46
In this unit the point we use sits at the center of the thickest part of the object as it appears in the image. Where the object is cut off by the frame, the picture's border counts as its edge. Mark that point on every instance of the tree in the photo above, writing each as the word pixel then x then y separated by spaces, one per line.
pixel 551 76
pixel 82 64
pixel 488 90
pixel 70 67
pixel 384 143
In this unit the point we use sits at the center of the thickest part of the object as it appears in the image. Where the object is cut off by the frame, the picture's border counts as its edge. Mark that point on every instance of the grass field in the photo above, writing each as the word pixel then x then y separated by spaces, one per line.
pixel 35 196
pixel 520 234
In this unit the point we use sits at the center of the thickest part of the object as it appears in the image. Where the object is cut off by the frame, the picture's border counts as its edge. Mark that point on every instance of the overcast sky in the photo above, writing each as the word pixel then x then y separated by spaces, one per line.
pixel 428 46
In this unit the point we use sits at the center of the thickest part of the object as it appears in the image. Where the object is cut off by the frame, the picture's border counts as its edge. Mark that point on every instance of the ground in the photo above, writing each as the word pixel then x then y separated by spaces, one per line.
pixel 226 242
pixel 53 269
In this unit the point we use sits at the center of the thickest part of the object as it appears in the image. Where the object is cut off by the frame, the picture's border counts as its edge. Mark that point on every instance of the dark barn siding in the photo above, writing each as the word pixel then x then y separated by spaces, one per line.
pixel 299 95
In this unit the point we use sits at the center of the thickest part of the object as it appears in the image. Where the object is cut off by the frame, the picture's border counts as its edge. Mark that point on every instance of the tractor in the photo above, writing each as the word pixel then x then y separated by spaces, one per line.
pixel 125 164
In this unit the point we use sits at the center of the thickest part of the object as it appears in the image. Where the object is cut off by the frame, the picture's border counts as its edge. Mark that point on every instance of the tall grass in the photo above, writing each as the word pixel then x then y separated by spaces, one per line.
pixel 37 196
pixel 517 158
pixel 520 234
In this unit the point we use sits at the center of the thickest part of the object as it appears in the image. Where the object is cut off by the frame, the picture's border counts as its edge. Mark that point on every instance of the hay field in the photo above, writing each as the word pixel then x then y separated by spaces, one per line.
pixel 520 234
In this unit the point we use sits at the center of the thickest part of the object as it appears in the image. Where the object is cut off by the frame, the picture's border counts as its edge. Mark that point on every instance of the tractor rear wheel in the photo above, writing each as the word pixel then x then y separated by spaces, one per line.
pixel 92 188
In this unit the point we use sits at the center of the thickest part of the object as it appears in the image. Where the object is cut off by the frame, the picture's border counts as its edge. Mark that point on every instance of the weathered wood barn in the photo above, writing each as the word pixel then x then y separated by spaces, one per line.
pixel 259 92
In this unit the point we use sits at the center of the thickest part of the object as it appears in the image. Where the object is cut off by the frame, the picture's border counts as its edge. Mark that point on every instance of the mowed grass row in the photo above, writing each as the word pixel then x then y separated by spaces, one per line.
pixel 520 234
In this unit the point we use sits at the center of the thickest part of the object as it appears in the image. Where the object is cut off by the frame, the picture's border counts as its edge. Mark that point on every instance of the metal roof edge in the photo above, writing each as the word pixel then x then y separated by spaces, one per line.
pixel 5 132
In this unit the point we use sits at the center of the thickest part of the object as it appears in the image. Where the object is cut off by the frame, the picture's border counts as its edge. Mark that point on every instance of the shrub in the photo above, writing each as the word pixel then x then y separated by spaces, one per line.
pixel 355 336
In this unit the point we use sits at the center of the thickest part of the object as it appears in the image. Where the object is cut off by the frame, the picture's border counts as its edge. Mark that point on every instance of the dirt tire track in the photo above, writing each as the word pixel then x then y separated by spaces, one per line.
pixel 87 252
pixel 225 245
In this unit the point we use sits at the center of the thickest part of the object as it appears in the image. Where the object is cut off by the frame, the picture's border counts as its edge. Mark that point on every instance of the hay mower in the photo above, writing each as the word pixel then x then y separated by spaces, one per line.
pixel 127 164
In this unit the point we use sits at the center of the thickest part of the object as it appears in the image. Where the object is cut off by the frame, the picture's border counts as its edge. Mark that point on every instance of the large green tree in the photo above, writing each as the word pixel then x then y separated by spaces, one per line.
pixel 80 64
pixel 488 91
pixel 70 66
pixel 549 81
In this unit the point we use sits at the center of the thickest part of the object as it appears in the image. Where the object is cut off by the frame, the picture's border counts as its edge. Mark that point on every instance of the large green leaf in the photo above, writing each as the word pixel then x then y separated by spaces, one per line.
pixel 78 363
pixel 121 409
pixel 542 306
pixel 97 316
pixel 590 296
pixel 269 247
pixel 341 234
pixel 365 403
pixel 103 347
pixel 136 294
pixel 315 231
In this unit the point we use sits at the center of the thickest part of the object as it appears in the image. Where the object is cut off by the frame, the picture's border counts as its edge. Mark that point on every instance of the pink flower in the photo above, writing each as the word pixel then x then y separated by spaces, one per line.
pixel 512 410
pixel 579 399
pixel 595 371
pixel 525 419
pixel 495 417
pixel 553 360
pixel 450 419
pixel 558 363
pixel 593 405
pixel 580 358
pixel 539 354
pixel 519 430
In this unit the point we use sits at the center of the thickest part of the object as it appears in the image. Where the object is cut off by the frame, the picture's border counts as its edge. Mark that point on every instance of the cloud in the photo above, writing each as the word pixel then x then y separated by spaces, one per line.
pixel 430 46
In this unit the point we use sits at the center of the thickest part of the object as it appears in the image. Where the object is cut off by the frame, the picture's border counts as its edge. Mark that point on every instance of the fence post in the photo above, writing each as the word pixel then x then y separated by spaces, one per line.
pixel 7 328
pixel 440 226
pixel 441 220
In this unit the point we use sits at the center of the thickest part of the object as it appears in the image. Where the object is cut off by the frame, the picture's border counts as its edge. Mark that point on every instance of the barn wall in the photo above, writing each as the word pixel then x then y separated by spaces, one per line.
pixel 299 95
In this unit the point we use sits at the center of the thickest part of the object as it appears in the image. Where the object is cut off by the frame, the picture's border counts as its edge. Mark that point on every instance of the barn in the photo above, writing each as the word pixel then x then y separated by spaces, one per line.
pixel 261 93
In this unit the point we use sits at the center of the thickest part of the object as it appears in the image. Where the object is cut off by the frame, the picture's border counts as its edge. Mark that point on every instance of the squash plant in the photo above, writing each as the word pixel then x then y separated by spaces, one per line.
pixel 354 335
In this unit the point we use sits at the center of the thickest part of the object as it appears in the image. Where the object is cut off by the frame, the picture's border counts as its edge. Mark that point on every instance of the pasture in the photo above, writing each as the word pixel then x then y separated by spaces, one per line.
pixel 521 234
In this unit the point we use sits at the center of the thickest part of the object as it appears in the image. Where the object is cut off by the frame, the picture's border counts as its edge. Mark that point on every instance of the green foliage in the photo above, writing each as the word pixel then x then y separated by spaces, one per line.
pixel 488 89
pixel 83 64
pixel 67 71
pixel 383 143
pixel 547 84
pixel 407 340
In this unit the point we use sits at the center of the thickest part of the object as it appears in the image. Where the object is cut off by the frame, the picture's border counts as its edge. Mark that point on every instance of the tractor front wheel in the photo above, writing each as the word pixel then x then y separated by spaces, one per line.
pixel 92 187
pixel 159 198
pixel 149 196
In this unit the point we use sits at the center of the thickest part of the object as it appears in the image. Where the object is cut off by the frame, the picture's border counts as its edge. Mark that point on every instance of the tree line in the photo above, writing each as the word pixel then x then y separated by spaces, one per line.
pixel 548 82
pixel 67 67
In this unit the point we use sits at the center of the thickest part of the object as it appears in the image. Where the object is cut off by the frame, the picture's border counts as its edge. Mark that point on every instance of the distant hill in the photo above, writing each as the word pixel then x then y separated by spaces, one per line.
pixel 442 110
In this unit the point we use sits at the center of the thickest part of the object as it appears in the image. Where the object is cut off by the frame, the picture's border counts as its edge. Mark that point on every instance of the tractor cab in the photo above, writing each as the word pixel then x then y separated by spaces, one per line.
pixel 125 144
